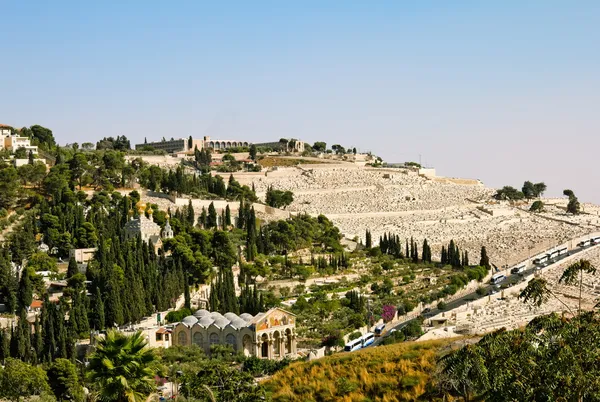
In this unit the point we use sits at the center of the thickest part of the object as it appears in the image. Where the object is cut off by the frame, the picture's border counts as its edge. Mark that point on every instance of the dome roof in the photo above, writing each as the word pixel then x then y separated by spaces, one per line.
pixel 206 321
pixel 230 316
pixel 238 323
pixel 246 317
pixel 189 320
pixel 221 322
pixel 216 314
pixel 201 313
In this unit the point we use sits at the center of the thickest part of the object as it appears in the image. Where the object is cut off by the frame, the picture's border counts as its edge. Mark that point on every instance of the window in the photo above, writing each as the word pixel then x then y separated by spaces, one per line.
pixel 214 339
pixel 230 340
pixel 182 338
pixel 197 339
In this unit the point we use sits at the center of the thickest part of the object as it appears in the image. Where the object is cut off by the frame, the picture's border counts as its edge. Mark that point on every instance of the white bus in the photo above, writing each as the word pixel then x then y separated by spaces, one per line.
pixel 518 270
pixel 563 251
pixel 353 345
pixel 584 243
pixel 379 330
pixel 595 240
pixel 496 279
pixel 367 339
pixel 541 260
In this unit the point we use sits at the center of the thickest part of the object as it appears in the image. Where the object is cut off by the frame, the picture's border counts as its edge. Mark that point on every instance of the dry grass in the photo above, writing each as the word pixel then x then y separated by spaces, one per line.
pixel 392 373
pixel 270 161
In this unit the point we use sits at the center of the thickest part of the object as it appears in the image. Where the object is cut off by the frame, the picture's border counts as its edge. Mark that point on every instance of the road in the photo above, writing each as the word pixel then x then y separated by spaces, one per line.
pixel 510 279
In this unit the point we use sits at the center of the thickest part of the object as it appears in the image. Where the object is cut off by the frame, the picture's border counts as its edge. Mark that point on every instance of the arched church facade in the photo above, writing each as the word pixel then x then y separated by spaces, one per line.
pixel 270 335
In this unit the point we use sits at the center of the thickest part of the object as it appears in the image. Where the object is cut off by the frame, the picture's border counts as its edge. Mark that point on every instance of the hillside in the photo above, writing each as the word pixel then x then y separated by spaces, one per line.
pixel 399 372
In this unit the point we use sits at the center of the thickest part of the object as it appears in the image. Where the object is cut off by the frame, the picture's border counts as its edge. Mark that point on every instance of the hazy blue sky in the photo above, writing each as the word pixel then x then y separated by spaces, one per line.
pixel 502 91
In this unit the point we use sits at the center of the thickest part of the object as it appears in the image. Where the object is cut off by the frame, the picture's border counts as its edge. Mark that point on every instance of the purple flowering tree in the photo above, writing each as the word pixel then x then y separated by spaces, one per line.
pixel 388 313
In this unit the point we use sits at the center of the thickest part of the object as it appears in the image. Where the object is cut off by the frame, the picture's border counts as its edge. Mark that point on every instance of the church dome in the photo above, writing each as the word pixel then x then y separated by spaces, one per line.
pixel 206 321
pixel 246 317
pixel 221 322
pixel 189 320
pixel 201 313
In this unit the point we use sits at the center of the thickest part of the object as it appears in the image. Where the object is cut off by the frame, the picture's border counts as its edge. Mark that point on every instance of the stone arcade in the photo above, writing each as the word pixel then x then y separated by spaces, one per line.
pixel 270 335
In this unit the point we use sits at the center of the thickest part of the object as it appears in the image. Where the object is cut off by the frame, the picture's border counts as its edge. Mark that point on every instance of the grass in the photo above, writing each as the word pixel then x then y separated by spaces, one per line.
pixel 399 372
pixel 270 161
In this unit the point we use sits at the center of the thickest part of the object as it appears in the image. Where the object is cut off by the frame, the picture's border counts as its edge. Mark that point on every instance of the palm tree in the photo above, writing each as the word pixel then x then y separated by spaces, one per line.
pixel 119 369
pixel 569 276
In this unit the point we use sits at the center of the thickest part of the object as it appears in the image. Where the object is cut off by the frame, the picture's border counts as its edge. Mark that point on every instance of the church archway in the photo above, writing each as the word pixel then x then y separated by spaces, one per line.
pixel 247 345
pixel 288 341
pixel 264 347
pixel 276 344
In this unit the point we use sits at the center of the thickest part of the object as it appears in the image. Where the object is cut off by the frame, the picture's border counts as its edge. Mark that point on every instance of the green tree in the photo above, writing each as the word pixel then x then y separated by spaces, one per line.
pixel 9 187
pixel 218 380
pixel 211 218
pixel 253 152
pixel 120 368
pixel 64 381
pixel 21 380
pixel 466 370
pixel 537 206
pixel 485 260
pixel 319 146
pixel 571 274
pixel 25 293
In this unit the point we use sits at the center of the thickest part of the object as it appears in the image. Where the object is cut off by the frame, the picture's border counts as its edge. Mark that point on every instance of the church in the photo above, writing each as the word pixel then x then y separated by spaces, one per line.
pixel 270 335
pixel 146 228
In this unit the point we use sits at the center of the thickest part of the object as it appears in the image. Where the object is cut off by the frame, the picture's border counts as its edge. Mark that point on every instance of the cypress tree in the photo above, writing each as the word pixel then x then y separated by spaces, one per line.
pixel 211 219
pixel 60 333
pixel 202 220
pixel 4 345
pixel 227 216
pixel 23 338
pixel 241 221
pixel 97 313
pixel 407 252
pixel 72 268
pixel 186 292
pixel 484 261
pixel 368 242
pixel 190 214
pixel 48 331
pixel 251 236
pixel 25 293
pixel 38 341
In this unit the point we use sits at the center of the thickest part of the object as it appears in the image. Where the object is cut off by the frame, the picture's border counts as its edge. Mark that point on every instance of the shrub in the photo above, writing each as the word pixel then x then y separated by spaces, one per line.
pixel 178 315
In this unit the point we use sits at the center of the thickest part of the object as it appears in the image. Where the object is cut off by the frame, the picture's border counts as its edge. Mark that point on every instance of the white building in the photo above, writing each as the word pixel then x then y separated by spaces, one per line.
pixel 14 142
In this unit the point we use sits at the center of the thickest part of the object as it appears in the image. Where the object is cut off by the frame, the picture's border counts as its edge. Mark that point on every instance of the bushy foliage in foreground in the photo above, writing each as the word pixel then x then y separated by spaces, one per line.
pixel 553 358
pixel 391 373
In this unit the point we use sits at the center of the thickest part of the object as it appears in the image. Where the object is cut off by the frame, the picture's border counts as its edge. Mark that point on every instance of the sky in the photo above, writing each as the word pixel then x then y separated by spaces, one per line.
pixel 502 91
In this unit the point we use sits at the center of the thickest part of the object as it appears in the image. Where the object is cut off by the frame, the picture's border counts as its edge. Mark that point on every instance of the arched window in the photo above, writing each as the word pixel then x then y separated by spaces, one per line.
pixel 214 339
pixel 230 340
pixel 197 339
pixel 182 338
